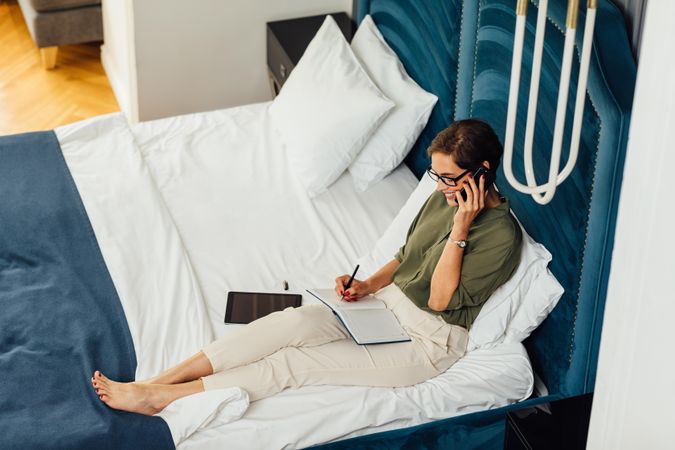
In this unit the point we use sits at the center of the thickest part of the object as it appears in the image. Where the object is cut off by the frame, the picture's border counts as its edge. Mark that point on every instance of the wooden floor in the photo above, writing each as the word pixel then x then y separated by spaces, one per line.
pixel 32 98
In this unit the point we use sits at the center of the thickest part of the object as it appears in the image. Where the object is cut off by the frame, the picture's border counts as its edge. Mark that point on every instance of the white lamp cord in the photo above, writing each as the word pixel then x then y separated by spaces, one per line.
pixel 555 177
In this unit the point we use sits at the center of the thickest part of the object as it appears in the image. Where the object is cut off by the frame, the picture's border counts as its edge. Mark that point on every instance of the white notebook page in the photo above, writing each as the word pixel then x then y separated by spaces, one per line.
pixel 373 326
pixel 331 297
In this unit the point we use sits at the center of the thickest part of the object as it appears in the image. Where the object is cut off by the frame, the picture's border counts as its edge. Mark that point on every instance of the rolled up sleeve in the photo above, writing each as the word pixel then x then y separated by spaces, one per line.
pixel 483 271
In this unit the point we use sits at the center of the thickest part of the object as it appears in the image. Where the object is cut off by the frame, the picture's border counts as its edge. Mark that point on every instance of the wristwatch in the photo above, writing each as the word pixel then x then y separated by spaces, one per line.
pixel 461 243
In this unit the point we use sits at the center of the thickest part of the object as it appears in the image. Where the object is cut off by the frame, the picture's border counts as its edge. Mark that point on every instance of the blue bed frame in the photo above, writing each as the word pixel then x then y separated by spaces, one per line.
pixel 461 50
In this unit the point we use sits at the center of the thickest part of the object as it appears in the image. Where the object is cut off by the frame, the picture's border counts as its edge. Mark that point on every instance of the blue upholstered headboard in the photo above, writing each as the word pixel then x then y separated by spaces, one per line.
pixel 461 50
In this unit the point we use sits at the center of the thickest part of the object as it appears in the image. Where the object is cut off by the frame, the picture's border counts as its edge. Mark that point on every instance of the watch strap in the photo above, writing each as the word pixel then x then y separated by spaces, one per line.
pixel 462 243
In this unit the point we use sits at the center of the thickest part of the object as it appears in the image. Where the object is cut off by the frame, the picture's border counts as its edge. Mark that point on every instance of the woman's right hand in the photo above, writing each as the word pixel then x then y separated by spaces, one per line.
pixel 468 209
pixel 357 290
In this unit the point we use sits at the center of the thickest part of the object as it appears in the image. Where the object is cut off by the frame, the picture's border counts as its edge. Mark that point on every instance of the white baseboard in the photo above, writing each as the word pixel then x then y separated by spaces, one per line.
pixel 123 92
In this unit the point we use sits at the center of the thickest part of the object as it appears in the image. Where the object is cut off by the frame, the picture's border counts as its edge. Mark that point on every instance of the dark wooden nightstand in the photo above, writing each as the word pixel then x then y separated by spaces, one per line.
pixel 562 424
pixel 288 39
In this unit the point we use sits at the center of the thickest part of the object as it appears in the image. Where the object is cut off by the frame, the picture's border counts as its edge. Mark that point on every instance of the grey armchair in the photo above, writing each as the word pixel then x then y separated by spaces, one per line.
pixel 61 22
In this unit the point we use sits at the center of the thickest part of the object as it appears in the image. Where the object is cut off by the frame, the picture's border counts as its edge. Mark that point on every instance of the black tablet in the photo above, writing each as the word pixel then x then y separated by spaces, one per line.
pixel 245 307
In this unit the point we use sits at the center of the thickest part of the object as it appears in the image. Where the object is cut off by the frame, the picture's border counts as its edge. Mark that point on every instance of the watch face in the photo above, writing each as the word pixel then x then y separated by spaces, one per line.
pixel 462 244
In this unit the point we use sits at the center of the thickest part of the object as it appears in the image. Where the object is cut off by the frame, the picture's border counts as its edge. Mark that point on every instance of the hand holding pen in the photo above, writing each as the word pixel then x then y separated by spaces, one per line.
pixel 349 288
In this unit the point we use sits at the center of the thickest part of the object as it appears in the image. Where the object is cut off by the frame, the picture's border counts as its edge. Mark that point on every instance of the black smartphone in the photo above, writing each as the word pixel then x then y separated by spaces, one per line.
pixel 245 307
pixel 476 177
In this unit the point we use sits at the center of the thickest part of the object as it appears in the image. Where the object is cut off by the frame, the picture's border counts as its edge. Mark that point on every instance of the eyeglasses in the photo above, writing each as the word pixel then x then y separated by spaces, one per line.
pixel 448 181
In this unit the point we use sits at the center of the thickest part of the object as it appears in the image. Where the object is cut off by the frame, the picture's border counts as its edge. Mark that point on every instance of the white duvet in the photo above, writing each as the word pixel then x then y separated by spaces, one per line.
pixel 188 208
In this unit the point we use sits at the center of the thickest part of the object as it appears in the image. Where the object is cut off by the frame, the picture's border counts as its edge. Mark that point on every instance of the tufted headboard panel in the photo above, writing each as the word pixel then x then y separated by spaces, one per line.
pixel 476 38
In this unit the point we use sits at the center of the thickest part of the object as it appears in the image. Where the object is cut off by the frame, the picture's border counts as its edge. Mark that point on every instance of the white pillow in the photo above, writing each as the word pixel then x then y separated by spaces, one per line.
pixel 392 141
pixel 327 110
pixel 521 304
pixel 513 310
pixel 544 293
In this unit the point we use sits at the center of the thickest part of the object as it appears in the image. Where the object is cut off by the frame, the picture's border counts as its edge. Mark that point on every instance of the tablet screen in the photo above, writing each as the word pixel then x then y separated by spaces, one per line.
pixel 245 307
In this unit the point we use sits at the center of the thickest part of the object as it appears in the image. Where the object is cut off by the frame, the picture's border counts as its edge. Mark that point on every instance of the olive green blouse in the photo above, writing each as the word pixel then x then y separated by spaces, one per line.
pixel 490 258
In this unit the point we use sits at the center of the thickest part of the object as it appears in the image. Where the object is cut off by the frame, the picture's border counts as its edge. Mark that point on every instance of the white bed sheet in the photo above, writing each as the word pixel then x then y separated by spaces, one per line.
pixel 139 243
pixel 146 260
pixel 247 224
pixel 245 219
pixel 312 415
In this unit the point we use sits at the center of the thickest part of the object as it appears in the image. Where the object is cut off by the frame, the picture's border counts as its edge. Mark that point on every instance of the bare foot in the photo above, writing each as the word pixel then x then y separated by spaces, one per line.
pixel 133 397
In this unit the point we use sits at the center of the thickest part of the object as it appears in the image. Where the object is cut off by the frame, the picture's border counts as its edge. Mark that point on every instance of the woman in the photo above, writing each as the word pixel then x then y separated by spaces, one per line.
pixel 456 254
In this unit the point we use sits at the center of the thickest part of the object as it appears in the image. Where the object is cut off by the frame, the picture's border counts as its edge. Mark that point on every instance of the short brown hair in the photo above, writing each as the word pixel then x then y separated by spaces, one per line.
pixel 470 141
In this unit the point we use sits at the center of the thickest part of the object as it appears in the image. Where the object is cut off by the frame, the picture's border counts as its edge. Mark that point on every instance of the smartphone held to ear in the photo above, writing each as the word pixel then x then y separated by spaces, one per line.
pixel 489 178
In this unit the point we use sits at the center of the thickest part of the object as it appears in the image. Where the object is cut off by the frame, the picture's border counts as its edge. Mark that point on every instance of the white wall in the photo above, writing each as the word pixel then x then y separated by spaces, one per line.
pixel 118 53
pixel 634 403
pixel 194 55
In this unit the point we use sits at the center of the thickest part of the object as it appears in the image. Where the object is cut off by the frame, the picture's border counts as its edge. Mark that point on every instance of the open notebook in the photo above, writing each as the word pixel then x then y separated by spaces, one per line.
pixel 367 320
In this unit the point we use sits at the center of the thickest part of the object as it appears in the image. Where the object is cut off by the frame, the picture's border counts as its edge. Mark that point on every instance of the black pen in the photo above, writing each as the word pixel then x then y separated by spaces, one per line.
pixel 349 283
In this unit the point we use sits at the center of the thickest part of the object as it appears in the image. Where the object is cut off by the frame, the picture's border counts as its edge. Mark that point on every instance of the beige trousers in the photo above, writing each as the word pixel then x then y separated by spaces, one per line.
pixel 309 346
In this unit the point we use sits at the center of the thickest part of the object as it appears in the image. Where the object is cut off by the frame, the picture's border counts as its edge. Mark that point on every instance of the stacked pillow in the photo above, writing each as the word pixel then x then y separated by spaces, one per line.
pixel 392 141
pixel 348 107
pixel 514 310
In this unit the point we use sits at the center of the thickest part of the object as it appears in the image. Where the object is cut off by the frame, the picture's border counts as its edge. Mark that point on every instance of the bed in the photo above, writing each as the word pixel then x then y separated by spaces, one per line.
pixel 180 218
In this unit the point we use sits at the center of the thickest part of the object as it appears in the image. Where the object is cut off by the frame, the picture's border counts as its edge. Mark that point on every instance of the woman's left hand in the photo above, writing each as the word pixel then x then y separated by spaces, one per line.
pixel 469 208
